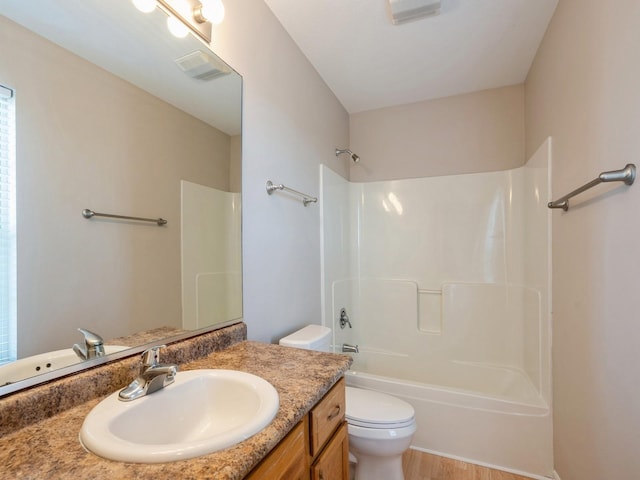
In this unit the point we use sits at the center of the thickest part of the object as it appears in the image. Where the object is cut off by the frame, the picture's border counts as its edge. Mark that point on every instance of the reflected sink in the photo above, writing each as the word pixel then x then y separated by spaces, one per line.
pixel 43 363
pixel 203 411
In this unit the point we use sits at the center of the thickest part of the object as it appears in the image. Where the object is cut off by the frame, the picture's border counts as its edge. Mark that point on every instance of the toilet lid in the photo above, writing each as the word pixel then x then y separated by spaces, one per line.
pixel 371 409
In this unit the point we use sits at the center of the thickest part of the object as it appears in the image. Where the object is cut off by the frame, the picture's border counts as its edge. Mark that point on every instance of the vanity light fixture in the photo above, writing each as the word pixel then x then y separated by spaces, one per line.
pixel 196 16
pixel 209 11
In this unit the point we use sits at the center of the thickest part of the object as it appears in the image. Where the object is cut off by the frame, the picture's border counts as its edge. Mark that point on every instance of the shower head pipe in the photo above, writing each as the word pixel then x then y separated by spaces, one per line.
pixel 353 156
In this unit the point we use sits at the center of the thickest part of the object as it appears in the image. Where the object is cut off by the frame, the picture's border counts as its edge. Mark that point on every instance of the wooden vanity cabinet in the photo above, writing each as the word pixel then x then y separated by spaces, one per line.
pixel 289 460
pixel 333 461
pixel 328 440
pixel 316 449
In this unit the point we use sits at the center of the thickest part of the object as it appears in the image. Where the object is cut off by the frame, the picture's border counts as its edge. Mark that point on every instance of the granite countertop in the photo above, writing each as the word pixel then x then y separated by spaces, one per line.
pixel 146 336
pixel 50 448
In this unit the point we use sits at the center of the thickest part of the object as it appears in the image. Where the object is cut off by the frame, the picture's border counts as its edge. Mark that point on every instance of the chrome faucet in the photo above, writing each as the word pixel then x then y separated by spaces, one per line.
pixel 153 376
pixel 347 348
pixel 93 345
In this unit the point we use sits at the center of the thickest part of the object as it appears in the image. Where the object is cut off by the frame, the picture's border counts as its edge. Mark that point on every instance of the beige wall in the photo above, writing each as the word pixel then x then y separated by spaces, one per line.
pixel 291 124
pixel 583 91
pixel 86 139
pixel 476 132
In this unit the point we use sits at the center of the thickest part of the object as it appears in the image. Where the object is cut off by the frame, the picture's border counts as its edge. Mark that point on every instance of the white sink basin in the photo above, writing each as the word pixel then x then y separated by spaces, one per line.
pixel 203 411
pixel 43 363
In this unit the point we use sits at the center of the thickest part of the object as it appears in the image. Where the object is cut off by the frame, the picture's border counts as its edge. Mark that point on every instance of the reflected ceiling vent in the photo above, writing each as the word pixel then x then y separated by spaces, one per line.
pixel 202 66
pixel 406 10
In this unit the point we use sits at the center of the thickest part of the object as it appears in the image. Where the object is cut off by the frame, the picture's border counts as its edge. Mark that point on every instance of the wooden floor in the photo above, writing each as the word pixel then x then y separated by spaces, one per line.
pixel 423 466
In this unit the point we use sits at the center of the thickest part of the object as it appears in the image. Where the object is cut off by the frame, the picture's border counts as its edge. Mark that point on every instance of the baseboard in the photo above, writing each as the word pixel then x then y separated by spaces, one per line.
pixel 556 476
pixel 488 465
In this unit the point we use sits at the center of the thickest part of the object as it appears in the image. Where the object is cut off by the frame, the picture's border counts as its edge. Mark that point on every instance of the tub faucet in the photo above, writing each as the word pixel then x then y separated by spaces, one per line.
pixel 153 376
pixel 344 318
pixel 93 345
pixel 347 348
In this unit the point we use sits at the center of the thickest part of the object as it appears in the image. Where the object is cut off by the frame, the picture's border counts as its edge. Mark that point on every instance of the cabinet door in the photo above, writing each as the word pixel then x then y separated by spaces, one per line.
pixel 333 462
pixel 288 461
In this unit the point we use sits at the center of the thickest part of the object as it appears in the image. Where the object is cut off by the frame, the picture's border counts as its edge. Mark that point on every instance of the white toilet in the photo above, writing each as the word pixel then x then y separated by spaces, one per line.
pixel 380 426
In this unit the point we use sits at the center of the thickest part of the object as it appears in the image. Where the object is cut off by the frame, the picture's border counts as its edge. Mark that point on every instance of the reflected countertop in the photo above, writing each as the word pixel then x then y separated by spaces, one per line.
pixel 50 447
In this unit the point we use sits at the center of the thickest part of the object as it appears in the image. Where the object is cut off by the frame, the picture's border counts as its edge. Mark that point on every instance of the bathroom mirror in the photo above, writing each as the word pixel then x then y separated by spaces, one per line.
pixel 116 115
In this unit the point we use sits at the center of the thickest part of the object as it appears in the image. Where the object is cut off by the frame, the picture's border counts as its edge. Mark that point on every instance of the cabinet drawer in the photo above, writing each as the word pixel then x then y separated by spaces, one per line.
pixel 327 416
pixel 288 461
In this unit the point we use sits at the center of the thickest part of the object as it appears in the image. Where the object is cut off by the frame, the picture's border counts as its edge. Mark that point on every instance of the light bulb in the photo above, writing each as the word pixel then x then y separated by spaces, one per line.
pixel 212 11
pixel 145 6
pixel 176 27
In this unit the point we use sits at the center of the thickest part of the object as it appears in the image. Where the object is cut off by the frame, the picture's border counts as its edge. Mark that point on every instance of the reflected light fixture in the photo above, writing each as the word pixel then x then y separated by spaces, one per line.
pixel 145 6
pixel 196 16
pixel 176 27
pixel 393 201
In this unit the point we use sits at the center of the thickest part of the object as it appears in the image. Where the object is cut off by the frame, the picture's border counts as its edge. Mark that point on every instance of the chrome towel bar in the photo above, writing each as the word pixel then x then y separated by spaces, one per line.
pixel 86 213
pixel 306 199
pixel 626 175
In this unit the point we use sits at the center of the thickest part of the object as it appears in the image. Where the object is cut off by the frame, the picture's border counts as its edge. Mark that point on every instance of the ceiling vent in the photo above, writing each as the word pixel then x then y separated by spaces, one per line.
pixel 202 66
pixel 406 10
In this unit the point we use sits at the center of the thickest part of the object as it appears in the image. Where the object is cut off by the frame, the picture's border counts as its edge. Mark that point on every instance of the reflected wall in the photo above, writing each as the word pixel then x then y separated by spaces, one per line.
pixel 88 139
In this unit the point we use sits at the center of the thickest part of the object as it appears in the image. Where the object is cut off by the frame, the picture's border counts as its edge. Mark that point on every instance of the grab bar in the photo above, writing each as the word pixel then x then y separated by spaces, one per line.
pixel 306 199
pixel 626 175
pixel 86 213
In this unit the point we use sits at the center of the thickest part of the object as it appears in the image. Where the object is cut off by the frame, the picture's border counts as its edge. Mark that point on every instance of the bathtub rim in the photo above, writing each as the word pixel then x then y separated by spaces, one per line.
pixel 445 395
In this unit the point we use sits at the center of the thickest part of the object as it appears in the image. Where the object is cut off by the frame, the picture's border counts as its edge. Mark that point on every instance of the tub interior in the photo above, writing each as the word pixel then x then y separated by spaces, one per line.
pixel 477 344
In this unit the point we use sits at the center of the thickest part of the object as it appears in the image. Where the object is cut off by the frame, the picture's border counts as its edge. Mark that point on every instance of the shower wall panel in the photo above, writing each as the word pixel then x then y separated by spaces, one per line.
pixel 442 273
pixel 211 256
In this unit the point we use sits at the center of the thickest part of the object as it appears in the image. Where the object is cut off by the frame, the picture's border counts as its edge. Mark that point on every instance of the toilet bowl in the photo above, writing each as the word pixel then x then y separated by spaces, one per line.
pixel 380 426
pixel 380 429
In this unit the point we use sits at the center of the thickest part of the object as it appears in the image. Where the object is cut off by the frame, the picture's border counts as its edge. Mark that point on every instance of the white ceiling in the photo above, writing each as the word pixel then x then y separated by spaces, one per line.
pixel 370 63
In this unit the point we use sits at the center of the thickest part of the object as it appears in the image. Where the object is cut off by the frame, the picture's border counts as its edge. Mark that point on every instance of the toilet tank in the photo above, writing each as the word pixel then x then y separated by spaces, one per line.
pixel 311 337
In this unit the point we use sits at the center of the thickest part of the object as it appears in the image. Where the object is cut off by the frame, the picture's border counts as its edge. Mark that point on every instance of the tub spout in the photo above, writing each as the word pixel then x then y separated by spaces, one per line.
pixel 347 348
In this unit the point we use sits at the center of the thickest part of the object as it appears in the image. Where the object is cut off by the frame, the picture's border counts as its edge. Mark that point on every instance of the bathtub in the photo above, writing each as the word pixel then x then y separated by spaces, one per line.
pixel 449 303
pixel 482 428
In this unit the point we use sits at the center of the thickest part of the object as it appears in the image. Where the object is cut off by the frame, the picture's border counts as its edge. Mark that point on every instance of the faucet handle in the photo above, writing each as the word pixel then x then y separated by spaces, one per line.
pixel 151 356
pixel 91 339
pixel 93 345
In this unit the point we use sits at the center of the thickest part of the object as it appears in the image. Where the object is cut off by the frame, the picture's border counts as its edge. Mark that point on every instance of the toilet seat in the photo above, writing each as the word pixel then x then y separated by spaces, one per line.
pixel 369 409
pixel 380 426
pixel 388 434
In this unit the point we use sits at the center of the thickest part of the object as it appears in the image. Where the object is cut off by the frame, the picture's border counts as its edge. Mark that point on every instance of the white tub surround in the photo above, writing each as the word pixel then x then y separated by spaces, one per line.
pixel 446 284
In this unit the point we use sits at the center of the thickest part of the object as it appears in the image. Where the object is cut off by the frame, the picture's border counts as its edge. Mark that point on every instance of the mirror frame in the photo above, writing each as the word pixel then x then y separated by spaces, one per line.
pixel 112 357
